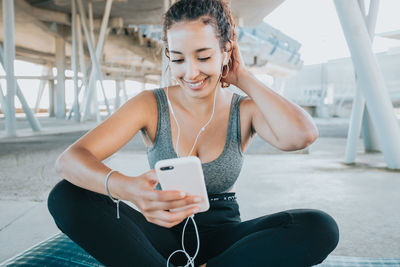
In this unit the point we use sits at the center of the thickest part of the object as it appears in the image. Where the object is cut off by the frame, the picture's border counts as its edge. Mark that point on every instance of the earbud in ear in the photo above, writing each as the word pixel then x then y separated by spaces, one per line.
pixel 225 58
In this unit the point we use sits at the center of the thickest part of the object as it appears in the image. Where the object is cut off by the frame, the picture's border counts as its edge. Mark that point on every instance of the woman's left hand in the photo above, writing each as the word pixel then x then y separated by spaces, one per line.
pixel 236 66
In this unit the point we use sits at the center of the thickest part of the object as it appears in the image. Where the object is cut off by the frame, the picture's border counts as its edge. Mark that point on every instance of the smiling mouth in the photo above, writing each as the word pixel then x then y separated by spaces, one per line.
pixel 197 85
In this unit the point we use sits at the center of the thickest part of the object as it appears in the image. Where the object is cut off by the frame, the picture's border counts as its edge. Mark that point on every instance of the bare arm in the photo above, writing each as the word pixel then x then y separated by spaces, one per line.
pixel 81 163
pixel 80 167
pixel 277 120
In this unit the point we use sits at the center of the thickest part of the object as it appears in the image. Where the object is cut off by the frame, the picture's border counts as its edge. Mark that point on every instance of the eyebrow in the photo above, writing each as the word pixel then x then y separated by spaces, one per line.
pixel 197 51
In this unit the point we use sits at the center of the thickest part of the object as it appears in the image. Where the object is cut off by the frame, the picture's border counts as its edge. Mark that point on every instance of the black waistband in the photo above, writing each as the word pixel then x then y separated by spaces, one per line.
pixel 230 196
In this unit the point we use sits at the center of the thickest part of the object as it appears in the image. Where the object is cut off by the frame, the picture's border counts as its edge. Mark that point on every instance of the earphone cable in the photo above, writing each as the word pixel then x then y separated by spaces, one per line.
pixel 201 130
pixel 190 259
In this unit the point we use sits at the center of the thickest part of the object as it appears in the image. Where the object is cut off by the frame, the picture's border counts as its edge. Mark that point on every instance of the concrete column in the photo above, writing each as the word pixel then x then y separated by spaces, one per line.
pixel 371 143
pixel 368 132
pixel 371 79
pixel 124 90
pixel 117 102
pixel 74 65
pixel 357 119
pixel 9 55
pixel 96 105
pixel 60 109
pixel 2 101
pixel 52 93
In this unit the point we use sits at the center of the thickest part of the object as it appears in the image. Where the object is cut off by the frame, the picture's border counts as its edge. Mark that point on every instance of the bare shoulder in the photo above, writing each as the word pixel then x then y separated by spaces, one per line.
pixel 139 112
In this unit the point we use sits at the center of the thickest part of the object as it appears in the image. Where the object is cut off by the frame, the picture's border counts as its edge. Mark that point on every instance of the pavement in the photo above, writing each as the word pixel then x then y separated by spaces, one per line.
pixel 362 197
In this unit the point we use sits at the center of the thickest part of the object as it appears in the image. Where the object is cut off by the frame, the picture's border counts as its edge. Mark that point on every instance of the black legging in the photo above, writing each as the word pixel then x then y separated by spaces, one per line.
pixel 299 237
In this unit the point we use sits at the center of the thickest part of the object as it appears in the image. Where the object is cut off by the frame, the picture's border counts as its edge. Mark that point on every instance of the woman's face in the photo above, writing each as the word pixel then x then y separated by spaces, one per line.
pixel 196 57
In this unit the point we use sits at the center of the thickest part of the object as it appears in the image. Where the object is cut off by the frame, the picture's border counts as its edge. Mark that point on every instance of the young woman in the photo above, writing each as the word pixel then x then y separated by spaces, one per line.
pixel 203 58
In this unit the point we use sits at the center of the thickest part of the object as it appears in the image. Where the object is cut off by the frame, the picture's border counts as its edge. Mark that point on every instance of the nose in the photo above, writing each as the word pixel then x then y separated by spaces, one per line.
pixel 192 70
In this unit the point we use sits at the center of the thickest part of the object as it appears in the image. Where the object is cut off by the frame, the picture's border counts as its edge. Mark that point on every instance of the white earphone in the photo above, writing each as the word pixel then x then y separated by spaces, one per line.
pixel 190 259
pixel 225 58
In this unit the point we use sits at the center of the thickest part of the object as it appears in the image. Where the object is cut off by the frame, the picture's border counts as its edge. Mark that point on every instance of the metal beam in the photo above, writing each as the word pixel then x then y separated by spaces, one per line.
pixel 51 96
pixel 42 84
pixel 81 56
pixel 32 120
pixel 91 27
pixel 60 90
pixel 47 77
pixel 2 101
pixel 87 96
pixel 9 54
pixel 371 79
pixel 74 64
pixel 117 101
pixel 124 90
pixel 100 45
pixel 81 51
pixel 73 105
pixel 94 56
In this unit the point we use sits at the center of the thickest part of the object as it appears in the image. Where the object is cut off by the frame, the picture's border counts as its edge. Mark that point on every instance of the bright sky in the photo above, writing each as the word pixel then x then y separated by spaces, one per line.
pixel 315 24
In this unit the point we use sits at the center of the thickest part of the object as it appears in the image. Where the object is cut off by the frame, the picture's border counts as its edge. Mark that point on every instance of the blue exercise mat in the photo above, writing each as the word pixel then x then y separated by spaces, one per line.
pixel 336 261
pixel 60 250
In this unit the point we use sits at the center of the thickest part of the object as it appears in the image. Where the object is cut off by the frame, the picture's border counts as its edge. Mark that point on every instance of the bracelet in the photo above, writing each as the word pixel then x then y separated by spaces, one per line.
pixel 108 193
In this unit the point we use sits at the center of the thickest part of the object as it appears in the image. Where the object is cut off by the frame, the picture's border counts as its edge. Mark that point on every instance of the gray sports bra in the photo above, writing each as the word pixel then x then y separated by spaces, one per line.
pixel 219 174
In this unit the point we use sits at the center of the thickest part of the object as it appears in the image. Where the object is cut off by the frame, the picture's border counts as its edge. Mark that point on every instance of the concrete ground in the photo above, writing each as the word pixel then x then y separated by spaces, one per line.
pixel 361 197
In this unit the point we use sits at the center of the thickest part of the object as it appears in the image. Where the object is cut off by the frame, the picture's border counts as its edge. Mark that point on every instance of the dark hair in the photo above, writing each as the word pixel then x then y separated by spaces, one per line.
pixel 214 12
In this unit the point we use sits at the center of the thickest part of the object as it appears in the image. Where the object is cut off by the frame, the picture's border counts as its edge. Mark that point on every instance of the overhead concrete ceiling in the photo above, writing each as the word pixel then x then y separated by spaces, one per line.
pixel 38 22
pixel 252 12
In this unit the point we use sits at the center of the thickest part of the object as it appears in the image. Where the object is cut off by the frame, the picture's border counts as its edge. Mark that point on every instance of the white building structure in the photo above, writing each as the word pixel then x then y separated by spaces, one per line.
pixel 328 89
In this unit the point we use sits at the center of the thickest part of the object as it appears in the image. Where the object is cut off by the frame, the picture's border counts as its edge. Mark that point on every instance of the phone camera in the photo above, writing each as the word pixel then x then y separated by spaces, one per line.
pixel 167 168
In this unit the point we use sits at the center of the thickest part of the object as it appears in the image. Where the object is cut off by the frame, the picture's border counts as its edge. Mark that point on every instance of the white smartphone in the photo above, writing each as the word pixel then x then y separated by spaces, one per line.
pixel 184 174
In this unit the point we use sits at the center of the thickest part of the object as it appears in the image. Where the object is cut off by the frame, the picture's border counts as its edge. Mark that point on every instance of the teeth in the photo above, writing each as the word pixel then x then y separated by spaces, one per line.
pixel 196 84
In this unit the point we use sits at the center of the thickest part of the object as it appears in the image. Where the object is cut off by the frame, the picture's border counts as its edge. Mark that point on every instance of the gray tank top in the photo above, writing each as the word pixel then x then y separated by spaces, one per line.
pixel 219 174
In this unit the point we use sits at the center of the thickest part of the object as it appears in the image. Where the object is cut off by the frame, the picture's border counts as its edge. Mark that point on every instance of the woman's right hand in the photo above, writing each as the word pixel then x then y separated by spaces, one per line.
pixel 154 204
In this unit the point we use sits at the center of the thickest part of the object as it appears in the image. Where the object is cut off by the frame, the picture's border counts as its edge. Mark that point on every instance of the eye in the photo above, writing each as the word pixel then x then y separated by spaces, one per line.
pixel 204 58
pixel 177 60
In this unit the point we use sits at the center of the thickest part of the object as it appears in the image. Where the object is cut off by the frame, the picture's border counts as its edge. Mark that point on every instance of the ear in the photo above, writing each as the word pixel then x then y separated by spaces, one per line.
pixel 227 52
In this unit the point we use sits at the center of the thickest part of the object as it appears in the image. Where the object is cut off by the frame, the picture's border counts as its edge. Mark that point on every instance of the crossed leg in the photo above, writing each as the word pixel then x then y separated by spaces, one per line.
pixel 299 237
pixel 89 219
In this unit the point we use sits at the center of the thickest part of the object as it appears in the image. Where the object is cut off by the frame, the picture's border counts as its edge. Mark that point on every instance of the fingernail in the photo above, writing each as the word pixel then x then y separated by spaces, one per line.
pixel 197 199
pixel 183 194
pixel 195 210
